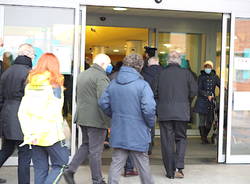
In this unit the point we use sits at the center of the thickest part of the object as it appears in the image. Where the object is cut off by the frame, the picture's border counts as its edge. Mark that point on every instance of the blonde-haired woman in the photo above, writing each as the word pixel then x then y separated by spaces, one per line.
pixel 40 115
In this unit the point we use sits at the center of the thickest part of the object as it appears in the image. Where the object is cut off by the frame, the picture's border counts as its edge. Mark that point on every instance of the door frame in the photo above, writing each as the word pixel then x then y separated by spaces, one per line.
pixel 229 157
pixel 13 160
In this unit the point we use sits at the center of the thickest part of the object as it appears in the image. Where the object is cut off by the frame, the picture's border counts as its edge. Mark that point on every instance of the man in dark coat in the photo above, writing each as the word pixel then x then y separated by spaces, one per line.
pixel 176 85
pixel 207 82
pixel 130 102
pixel 12 86
pixel 151 74
pixel 93 122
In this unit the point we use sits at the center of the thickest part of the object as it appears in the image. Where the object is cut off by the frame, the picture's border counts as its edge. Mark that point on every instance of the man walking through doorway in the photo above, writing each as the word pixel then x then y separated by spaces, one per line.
pixel 175 87
pixel 93 122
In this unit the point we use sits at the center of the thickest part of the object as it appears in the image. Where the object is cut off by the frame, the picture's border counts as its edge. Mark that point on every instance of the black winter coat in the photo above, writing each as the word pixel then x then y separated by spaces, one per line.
pixel 176 85
pixel 151 74
pixel 206 87
pixel 12 84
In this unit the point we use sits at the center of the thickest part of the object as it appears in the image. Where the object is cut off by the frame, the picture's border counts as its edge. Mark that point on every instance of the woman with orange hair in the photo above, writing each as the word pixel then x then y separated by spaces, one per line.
pixel 40 115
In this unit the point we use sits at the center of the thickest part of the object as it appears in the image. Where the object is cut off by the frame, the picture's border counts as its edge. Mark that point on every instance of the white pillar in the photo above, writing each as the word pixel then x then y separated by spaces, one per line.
pixel 98 50
pixel 134 46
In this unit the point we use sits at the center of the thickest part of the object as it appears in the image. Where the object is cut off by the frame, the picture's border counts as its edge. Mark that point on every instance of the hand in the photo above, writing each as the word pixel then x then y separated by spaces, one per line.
pixel 210 98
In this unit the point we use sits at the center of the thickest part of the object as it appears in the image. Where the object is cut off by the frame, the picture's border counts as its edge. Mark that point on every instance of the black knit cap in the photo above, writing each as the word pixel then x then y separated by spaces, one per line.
pixel 150 51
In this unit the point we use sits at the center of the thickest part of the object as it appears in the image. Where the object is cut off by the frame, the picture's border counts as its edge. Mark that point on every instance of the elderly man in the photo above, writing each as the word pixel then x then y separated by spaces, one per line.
pixel 175 87
pixel 93 122
pixel 12 85
pixel 130 102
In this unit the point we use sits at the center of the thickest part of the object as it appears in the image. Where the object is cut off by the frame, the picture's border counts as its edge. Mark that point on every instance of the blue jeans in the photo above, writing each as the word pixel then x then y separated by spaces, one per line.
pixel 129 164
pixel 24 158
pixel 59 157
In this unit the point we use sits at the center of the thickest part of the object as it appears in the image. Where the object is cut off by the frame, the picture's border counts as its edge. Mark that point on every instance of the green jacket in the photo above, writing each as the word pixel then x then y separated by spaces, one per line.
pixel 90 85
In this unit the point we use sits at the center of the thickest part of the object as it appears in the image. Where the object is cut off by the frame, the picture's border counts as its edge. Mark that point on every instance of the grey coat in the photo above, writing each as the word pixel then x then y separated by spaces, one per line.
pixel 175 86
pixel 90 86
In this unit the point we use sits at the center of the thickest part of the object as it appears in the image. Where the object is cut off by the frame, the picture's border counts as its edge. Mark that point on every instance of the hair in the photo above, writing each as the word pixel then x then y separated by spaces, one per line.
pixel 150 51
pixel 26 50
pixel 101 59
pixel 174 57
pixel 7 60
pixel 153 61
pixel 135 61
pixel 48 62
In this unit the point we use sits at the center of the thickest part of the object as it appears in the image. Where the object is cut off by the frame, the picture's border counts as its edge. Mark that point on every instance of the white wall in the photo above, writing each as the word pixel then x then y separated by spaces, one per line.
pixel 221 6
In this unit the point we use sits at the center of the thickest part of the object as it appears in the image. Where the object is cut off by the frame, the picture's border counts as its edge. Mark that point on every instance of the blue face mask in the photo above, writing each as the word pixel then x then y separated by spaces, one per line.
pixel 208 70
pixel 109 69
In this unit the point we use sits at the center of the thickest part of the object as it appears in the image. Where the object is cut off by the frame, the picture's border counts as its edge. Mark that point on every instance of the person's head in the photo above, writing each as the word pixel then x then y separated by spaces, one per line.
pixel 149 52
pixel 26 50
pixel 174 57
pixel 135 61
pixel 48 62
pixel 153 61
pixel 7 60
pixel 208 66
pixel 118 65
pixel 103 61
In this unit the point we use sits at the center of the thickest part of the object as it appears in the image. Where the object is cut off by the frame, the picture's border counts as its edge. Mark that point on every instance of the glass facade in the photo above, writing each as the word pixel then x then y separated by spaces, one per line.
pixel 48 30
pixel 240 135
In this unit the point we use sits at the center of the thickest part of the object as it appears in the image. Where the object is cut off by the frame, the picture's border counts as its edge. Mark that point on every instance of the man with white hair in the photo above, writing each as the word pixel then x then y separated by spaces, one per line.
pixel 12 85
pixel 175 86
pixel 93 122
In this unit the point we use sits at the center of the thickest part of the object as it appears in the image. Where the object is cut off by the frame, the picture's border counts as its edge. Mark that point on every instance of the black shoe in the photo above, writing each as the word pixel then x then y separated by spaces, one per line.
pixel 2 180
pixel 69 177
pixel 169 176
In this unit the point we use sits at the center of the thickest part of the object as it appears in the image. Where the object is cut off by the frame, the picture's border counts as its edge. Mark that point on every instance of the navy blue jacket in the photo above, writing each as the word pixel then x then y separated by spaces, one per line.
pixel 206 87
pixel 130 102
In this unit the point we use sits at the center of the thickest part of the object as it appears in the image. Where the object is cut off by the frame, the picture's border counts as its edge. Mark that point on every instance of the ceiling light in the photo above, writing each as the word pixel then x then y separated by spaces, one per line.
pixel 168 45
pixel 115 50
pixel 120 9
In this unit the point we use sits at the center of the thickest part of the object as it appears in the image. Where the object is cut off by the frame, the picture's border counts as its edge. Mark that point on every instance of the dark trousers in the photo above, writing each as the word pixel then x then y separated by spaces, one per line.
pixel 173 145
pixel 24 158
pixel 129 164
pixel 59 157
pixel 92 146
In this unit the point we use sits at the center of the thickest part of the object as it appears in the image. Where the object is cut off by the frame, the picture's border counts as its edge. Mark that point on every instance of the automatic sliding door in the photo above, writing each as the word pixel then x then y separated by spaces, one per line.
pixel 238 134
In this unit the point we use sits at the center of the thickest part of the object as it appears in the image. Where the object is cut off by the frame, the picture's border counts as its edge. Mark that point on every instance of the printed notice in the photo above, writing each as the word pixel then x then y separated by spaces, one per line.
pixel 241 101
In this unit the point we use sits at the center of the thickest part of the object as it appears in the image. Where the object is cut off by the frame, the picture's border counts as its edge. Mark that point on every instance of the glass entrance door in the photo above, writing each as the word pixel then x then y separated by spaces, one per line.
pixel 238 127
pixel 51 29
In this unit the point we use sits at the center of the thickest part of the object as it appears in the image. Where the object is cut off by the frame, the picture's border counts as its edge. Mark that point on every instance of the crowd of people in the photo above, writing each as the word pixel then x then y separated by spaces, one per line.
pixel 129 101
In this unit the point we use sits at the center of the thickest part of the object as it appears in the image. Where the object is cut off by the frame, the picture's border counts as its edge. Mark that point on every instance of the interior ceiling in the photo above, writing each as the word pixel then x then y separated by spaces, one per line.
pixel 113 38
pixel 155 13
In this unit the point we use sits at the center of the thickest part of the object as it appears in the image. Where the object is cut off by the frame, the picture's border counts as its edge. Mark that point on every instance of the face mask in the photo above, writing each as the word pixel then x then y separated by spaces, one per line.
pixel 208 70
pixel 109 69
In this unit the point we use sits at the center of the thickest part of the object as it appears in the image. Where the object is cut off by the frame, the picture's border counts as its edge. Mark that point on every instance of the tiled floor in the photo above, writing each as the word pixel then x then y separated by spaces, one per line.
pixel 201 168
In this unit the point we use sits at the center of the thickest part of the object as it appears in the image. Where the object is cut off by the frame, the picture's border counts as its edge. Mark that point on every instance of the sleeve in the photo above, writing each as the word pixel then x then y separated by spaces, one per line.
pixel 104 103
pixel 193 88
pixel 217 81
pixel 102 84
pixel 148 106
